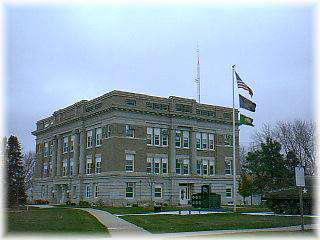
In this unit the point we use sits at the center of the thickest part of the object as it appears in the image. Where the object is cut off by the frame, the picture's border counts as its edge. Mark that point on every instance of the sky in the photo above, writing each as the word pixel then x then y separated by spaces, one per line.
pixel 58 55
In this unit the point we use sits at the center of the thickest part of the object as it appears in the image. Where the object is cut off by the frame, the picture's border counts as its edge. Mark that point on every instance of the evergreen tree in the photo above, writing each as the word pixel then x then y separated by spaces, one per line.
pixel 268 167
pixel 15 173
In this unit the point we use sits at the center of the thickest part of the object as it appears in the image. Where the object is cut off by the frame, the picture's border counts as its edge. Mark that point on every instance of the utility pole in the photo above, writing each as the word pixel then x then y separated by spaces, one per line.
pixel 234 144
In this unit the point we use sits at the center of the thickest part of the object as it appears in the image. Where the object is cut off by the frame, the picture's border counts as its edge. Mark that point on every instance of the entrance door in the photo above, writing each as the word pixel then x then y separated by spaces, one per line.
pixel 184 195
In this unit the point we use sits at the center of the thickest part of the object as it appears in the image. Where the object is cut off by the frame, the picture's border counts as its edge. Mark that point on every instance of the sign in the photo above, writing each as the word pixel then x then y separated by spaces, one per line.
pixel 300 180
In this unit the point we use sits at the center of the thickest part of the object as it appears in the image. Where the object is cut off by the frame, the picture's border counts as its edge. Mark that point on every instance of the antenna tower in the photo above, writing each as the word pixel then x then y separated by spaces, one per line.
pixel 197 80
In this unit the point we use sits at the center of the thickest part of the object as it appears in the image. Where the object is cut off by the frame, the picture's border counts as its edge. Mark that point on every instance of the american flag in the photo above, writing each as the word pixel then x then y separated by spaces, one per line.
pixel 242 85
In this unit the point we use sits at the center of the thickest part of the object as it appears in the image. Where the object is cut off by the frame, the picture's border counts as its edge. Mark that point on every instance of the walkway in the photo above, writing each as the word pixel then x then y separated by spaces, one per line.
pixel 234 232
pixel 115 225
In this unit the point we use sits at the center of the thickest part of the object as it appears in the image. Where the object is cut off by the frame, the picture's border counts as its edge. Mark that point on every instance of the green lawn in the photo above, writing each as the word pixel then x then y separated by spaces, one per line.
pixel 57 220
pixel 220 221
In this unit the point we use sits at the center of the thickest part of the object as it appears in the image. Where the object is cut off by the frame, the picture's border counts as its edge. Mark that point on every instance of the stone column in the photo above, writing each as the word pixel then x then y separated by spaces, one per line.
pixel 193 146
pixel 82 156
pixel 76 151
pixel 59 154
pixel 54 157
pixel 172 151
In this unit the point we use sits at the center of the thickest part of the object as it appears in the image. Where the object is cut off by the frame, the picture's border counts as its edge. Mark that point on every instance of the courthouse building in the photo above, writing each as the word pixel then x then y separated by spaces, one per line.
pixel 124 147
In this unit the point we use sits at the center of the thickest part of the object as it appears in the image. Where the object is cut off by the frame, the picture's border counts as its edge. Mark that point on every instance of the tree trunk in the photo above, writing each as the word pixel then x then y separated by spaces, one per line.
pixel 251 199
pixel 244 201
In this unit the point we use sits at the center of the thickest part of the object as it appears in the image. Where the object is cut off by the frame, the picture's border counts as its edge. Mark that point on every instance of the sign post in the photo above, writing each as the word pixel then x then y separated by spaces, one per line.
pixel 300 182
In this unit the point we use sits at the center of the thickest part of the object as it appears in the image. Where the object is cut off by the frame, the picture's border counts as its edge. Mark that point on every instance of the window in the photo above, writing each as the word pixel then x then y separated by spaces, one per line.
pixel 156 138
pixel 157 165
pixel 89 164
pixel 129 164
pixel 149 165
pixel 157 106
pixel 129 131
pixel 211 168
pixel 50 168
pixel 108 130
pixel 42 191
pixel 227 167
pixel 149 136
pixel 227 116
pixel 98 163
pixel 65 168
pixel 178 138
pixel 88 191
pixel 131 102
pixel 228 140
pixel 185 166
pixel 98 105
pixel 164 137
pixel 72 143
pixel 204 140
pixel 45 169
pixel 74 191
pixel 71 166
pixel 198 140
pixel 211 141
pixel 186 139
pixel 183 108
pixel 205 112
pixel 157 191
pixel 51 149
pixel 164 165
pixel 228 191
pixel 199 166
pixel 178 167
pixel 65 144
pixel 96 191
pixel 98 136
pixel 130 190
pixel 46 149
pixel 205 167
pixel 89 139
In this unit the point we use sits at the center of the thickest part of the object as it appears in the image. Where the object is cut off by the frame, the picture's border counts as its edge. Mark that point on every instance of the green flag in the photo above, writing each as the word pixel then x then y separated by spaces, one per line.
pixel 245 120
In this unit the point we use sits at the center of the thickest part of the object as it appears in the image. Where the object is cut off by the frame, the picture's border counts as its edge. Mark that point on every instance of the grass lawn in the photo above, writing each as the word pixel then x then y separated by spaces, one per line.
pixel 220 221
pixel 54 220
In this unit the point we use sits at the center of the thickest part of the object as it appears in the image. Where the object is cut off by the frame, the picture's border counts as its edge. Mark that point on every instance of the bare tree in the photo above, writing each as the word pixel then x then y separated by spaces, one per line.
pixel 29 161
pixel 242 154
pixel 267 131
pixel 297 137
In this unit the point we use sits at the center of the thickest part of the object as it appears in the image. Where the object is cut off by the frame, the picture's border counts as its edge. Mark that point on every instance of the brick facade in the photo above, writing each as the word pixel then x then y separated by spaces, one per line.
pixel 180 127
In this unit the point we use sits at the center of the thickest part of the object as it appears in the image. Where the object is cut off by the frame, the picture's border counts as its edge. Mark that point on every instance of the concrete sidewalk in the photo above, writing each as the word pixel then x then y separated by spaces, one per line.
pixel 233 232
pixel 116 226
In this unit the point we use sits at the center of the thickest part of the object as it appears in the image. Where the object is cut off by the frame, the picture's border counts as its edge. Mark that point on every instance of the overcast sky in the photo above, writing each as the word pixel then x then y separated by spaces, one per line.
pixel 59 55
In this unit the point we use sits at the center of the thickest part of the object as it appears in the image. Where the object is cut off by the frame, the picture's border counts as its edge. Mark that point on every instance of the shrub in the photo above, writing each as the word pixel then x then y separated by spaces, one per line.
pixel 99 203
pixel 69 203
pixel 41 202
pixel 84 204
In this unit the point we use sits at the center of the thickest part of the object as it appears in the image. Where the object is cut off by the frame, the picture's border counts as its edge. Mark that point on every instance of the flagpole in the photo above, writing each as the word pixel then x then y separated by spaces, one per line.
pixel 234 143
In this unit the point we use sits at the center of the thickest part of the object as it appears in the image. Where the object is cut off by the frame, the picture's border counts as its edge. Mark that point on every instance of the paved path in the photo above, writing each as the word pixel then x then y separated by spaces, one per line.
pixel 41 206
pixel 222 232
pixel 116 226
